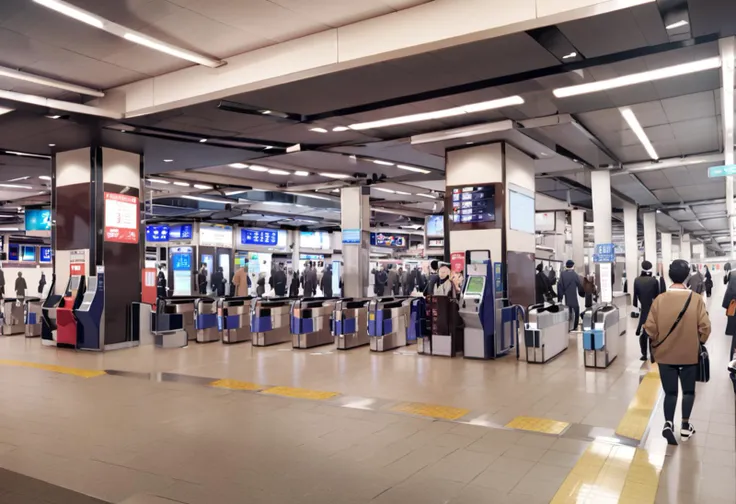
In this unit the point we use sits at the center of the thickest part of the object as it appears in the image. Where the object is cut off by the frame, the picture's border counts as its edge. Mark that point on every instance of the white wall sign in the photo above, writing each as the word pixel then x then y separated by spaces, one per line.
pixel 606 283
pixel 216 236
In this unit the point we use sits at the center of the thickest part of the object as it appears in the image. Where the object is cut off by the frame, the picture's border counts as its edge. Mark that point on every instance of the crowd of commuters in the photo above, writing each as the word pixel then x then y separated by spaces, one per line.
pixel 390 280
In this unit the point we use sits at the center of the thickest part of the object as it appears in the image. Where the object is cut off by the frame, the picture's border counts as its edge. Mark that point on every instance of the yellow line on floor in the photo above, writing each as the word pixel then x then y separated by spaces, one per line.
pixel 431 410
pixel 300 393
pixel 634 423
pixel 82 373
pixel 543 425
pixel 236 385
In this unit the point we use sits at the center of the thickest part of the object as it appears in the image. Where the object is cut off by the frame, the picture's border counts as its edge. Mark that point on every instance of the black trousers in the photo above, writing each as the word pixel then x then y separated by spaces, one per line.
pixel 644 343
pixel 669 375
pixel 574 315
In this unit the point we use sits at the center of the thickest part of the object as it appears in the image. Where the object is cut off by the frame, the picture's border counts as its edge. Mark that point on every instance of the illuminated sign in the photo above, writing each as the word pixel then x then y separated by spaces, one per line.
pixel 157 233
pixel 38 220
pixel 388 240
pixel 263 237
pixel 121 218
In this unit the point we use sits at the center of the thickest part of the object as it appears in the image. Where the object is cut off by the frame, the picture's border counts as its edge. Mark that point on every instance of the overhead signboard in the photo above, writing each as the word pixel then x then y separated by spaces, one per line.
pixel 157 233
pixel 605 253
pixel 121 218
pixel 545 221
pixel 262 237
pixel 45 255
pixel 721 171
pixel 318 240
pixel 181 232
pixel 351 236
pixel 388 240
pixel 216 236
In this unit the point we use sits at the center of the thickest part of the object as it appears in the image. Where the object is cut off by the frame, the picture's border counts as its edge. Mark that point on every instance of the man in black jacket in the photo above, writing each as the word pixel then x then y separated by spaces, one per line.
pixel 543 287
pixel 646 288
pixel 278 280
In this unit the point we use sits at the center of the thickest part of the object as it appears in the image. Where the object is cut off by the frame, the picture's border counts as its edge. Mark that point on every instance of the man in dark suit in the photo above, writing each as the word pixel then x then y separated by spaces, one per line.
pixel 646 288
pixel 569 286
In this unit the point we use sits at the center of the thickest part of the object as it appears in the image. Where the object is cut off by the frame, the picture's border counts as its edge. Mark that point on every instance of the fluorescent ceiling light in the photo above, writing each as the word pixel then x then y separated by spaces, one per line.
pixel 15 186
pixel 44 177
pixel 402 193
pixel 52 145
pixel 161 181
pixel 239 166
pixel 265 112
pixel 301 173
pixel 638 78
pixel 336 190
pixel 27 154
pixel 257 168
pixel 56 116
pixel 425 195
pixel 335 175
pixel 72 12
pixel 571 55
pixel 9 229
pixel 19 179
pixel 338 129
pixel 203 140
pixel 235 193
pixel 182 184
pixel 677 24
pixel 5 110
pixel 633 122
pixel 177 52
pixel 382 189
pixel 200 198
pixel 278 203
pixel 384 163
pixel 318 130
pixel 168 160
pixel 439 114
pixel 202 186
pixel 274 171
pixel 412 168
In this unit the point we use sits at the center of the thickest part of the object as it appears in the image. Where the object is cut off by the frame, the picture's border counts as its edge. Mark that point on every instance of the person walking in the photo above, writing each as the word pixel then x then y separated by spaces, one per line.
pixel 677 326
pixel 569 287
pixel 20 286
pixel 696 282
pixel 261 285
pixel 161 282
pixel 726 273
pixel 278 281
pixel 202 279
pixel 591 292
pixel 326 281
pixel 310 280
pixel 433 279
pixel 218 282
pixel 379 287
pixel 294 284
pixel 42 283
pixel 646 289
pixel 729 303
pixel 708 281
pixel 542 286
pixel 392 283
pixel 240 280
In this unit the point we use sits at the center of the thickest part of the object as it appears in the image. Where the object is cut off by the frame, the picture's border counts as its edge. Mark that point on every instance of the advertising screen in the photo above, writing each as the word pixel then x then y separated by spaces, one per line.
pixel 28 253
pixel 475 285
pixel 121 218
pixel 388 240
pixel 216 236
pixel 436 226
pixel 262 237
pixel 13 252
pixel 473 204
pixel 314 240
pixel 157 233
pixel 45 255
pixel 38 220
pixel 181 232
pixel 182 261
pixel 521 212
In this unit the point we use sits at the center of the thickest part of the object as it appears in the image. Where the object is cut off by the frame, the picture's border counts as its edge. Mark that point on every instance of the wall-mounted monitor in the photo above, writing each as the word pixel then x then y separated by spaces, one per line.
pixel 475 207
pixel 181 232
pixel 28 253
pixel 435 227
pixel 389 240
pixel 157 233
pixel 38 219
pixel 45 256
pixel 13 252
pixel 522 216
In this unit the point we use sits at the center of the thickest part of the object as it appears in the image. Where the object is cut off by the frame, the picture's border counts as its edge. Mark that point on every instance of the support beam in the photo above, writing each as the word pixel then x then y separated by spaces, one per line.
pixel 727 48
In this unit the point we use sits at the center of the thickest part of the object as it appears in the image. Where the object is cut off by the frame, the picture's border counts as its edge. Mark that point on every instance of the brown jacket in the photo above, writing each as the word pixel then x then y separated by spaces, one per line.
pixel 240 279
pixel 681 347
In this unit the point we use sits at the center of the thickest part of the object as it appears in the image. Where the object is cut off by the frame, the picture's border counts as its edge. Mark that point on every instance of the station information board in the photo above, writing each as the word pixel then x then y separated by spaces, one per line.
pixel 121 218
pixel 264 237
pixel 473 204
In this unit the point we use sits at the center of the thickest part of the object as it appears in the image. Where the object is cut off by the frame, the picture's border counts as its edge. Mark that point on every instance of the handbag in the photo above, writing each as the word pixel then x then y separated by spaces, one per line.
pixel 677 321
pixel 703 365
pixel 731 311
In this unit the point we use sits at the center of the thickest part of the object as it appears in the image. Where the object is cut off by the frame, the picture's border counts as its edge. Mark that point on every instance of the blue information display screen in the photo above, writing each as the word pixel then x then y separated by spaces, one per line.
pixel 473 204
pixel 182 262
pixel 28 253
pixel 13 251
pixel 157 233
pixel 436 226
pixel 45 254
pixel 259 237
pixel 38 220
pixel 181 232
pixel 388 240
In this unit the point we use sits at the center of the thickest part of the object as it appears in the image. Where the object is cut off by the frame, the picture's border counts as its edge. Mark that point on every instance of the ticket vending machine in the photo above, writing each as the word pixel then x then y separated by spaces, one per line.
pixel 89 314
pixel 66 322
pixel 477 306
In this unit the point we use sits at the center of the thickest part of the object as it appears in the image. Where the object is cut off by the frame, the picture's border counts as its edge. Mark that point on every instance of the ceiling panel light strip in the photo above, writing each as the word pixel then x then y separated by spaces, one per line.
pixel 633 122
pixel 412 168
pixel 638 78
pixel 25 154
pixel 335 175
pixel 202 186
pixel 44 81
pixel 158 181
pixel 133 36
pixel 200 198
pixel 274 171
pixel 238 166
pixel 257 168
pixel 440 114
pixel 5 110
pixel 59 104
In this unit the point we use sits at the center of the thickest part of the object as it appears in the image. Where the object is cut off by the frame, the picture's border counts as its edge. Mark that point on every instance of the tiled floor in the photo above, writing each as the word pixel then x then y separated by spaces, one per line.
pixel 130 440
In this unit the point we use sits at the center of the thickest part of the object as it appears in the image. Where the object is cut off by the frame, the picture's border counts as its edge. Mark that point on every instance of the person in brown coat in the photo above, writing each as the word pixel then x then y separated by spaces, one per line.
pixel 240 279
pixel 676 344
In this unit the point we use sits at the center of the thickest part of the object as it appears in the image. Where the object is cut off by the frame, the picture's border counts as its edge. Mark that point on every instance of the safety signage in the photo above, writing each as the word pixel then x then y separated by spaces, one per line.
pixel 604 253
pixel 721 171
pixel 351 236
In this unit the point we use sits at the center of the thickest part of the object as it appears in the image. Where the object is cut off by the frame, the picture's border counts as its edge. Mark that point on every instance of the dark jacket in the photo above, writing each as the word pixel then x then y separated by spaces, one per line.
pixel 591 292
pixel 646 289
pixel 278 282
pixel 294 287
pixel 379 287
pixel 569 286
pixel 542 287
pixel 393 281
pixel 326 283
pixel 20 287
pixel 310 282
pixel 202 281
pixel 161 285
pixel 218 283
pixel 727 298
pixel 434 279
pixel 261 286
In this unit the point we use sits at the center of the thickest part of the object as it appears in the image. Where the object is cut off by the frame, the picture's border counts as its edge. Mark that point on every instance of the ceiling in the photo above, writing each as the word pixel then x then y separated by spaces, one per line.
pixel 274 127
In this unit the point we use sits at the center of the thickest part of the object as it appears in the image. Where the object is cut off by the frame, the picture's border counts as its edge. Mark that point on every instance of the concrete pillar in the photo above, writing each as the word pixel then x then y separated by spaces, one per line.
pixel 666 239
pixel 650 237
pixel 600 182
pixel 355 218
pixel 295 250
pixel 631 244
pixel 685 250
pixel 577 221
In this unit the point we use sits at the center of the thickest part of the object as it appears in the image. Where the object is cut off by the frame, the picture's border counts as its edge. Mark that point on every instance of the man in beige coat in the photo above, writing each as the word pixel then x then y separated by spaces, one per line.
pixel 240 279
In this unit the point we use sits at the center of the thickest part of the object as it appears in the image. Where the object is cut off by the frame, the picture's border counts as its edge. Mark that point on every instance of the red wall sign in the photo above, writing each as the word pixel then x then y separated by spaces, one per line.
pixel 76 269
pixel 457 262
pixel 121 218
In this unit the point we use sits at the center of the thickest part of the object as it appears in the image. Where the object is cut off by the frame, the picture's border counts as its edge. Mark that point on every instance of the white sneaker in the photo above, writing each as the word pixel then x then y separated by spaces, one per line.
pixel 687 432
pixel 668 432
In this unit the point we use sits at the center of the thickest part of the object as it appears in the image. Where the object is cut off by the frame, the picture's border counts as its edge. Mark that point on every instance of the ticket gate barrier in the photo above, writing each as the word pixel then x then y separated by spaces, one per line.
pixel 310 322
pixel 12 313
pixel 388 323
pixel 48 315
pixel 168 329
pixel 350 323
pixel 233 315
pixel 269 323
pixel 446 336
pixel 600 335
pixel 32 317
pixel 185 307
pixel 205 320
pixel 545 332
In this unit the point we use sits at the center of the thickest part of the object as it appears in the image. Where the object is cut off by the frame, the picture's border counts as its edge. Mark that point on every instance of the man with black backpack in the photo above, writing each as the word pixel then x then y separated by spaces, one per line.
pixel 569 287
pixel 646 289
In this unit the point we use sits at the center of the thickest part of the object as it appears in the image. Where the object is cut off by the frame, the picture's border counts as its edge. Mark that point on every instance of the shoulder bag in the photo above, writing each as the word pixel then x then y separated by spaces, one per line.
pixel 677 321
pixel 703 364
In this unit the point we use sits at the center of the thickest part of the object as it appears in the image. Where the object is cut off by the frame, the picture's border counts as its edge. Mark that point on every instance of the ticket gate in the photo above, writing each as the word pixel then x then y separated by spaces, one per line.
pixel 388 323
pixel 205 320
pixel 12 313
pixel 32 317
pixel 546 332
pixel 269 322
pixel 600 335
pixel 67 330
pixel 185 307
pixel 48 315
pixel 234 316
pixel 310 322
pixel 168 328
pixel 350 323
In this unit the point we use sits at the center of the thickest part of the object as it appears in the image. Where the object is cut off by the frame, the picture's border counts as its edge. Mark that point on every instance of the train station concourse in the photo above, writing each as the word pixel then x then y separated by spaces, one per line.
pixel 367 252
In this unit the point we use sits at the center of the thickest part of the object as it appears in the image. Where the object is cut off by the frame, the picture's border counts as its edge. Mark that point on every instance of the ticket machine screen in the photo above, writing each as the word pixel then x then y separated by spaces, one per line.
pixel 475 286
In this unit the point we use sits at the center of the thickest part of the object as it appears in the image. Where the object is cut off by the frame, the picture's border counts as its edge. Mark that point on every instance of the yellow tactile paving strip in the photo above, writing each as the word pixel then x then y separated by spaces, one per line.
pixel 82 373
pixel 431 410
pixel 634 423
pixel 236 385
pixel 543 425
pixel 300 393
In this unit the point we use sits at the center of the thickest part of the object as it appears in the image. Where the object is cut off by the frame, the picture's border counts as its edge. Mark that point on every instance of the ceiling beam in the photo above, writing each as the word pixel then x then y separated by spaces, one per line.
pixel 727 48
